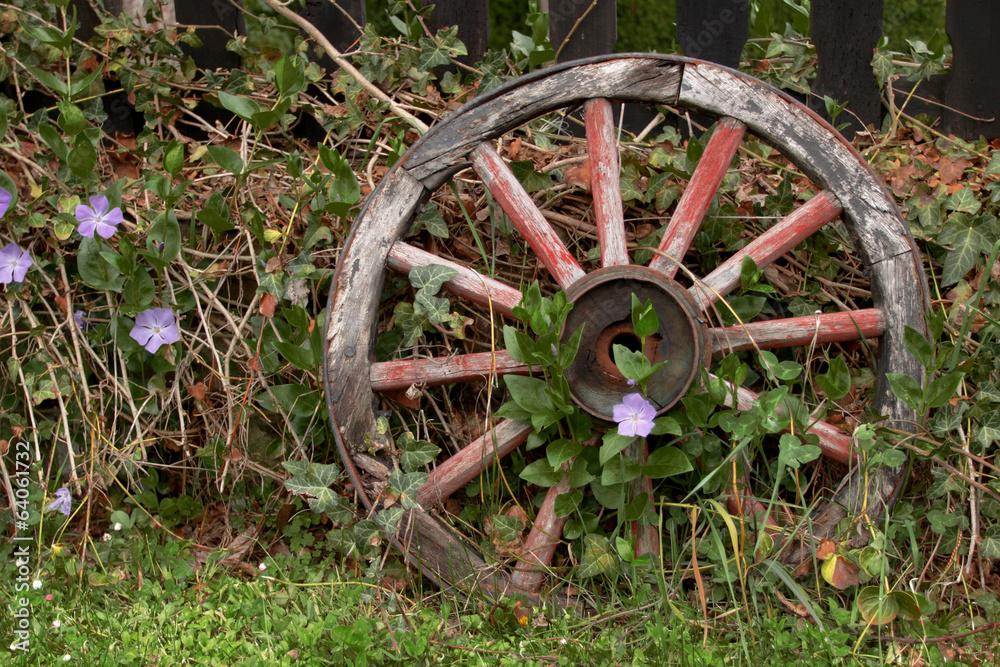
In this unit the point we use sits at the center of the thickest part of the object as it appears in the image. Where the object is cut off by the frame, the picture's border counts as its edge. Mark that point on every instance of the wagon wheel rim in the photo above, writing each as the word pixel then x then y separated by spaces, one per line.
pixel 849 190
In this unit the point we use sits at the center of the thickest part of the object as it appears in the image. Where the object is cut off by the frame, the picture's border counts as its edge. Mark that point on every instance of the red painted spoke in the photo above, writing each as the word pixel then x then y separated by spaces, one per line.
pixel 698 195
pixel 835 443
pixel 468 284
pixel 541 543
pixel 474 458
pixel 523 213
pixel 605 180
pixel 772 244
pixel 799 331
pixel 400 374
pixel 647 537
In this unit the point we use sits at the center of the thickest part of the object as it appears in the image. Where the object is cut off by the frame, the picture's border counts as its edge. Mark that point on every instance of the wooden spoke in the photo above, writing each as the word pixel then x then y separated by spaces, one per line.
pixel 400 374
pixel 835 443
pixel 474 458
pixel 468 284
pixel 775 242
pixel 698 195
pixel 647 537
pixel 797 331
pixel 542 540
pixel 523 213
pixel 605 175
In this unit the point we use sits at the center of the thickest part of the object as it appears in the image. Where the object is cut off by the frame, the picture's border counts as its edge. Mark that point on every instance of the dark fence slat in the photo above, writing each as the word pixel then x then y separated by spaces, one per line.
pixel 212 54
pixel 332 22
pixel 974 85
pixel 713 30
pixel 473 20
pixel 846 33
pixel 591 25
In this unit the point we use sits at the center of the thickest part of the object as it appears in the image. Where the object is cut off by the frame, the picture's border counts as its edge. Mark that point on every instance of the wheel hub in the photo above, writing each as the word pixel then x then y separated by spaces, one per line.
pixel 603 303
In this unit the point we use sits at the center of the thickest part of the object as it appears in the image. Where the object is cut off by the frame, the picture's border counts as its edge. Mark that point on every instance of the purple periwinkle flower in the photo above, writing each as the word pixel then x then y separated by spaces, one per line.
pixel 82 320
pixel 155 327
pixel 14 264
pixel 97 218
pixel 634 416
pixel 63 502
pixel 630 382
pixel 5 199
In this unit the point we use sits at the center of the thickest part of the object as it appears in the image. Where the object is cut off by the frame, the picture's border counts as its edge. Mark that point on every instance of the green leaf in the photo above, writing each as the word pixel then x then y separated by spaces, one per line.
pixel 875 607
pixel 540 473
pixel 968 238
pixel 528 392
pixel 433 308
pixel 243 107
pixel 415 454
pixel 793 453
pixel 289 75
pixel 598 557
pixel 836 383
pixel 666 462
pixel 440 53
pixel 530 179
pixel 579 475
pixel 619 470
pixel 990 546
pixel 567 502
pixel 313 479
pixel 941 390
pixel 918 345
pixel 989 428
pixel 612 444
pixel 173 157
pixel 631 363
pixel 666 425
pixel 95 271
pixel 431 219
pixel 519 345
pixel 644 319
pixel 906 388
pixel 908 605
pixel 994 166
pixel 53 82
pixel 227 159
pixel 560 451
pixel 83 158
pixel 568 349
pixel 782 370
pixel 431 277
pixel 963 201
pixel 71 118
pixel 405 485
pixel 301 357
pixel 139 290
pixel 893 458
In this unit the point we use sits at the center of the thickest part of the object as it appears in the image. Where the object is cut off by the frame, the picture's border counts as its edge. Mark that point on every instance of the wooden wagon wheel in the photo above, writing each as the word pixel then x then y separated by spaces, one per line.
pixel 849 190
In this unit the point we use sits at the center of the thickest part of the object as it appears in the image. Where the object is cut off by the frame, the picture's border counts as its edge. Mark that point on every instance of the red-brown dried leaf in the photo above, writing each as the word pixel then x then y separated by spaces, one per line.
pixel 197 391
pixel 267 304
pixel 578 175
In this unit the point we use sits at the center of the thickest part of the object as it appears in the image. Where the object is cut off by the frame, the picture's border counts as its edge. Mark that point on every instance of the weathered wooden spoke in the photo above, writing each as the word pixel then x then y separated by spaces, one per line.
pixel 775 242
pixel 500 180
pixel 403 373
pixel 847 190
pixel 698 195
pixel 605 174
pixel 468 284
pixel 818 329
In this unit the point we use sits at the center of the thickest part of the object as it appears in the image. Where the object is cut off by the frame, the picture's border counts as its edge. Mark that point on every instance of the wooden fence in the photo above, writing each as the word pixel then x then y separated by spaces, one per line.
pixel 845 32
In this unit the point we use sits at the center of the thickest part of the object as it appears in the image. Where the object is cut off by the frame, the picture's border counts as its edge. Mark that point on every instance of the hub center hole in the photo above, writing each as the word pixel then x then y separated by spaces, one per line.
pixel 626 339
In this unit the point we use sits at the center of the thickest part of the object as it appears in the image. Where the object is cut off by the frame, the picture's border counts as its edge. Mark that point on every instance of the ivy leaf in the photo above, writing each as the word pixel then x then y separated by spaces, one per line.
pixel 433 308
pixel 598 557
pixel 963 201
pixel 989 428
pixel 405 485
pixel 434 54
pixel 314 479
pixel 431 277
pixel 968 242
pixel 431 219
pixel 415 454
pixel 530 179
pixel 990 546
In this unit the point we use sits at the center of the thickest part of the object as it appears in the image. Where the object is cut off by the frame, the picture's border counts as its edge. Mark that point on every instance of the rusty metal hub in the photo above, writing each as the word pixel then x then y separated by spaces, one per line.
pixel 603 303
